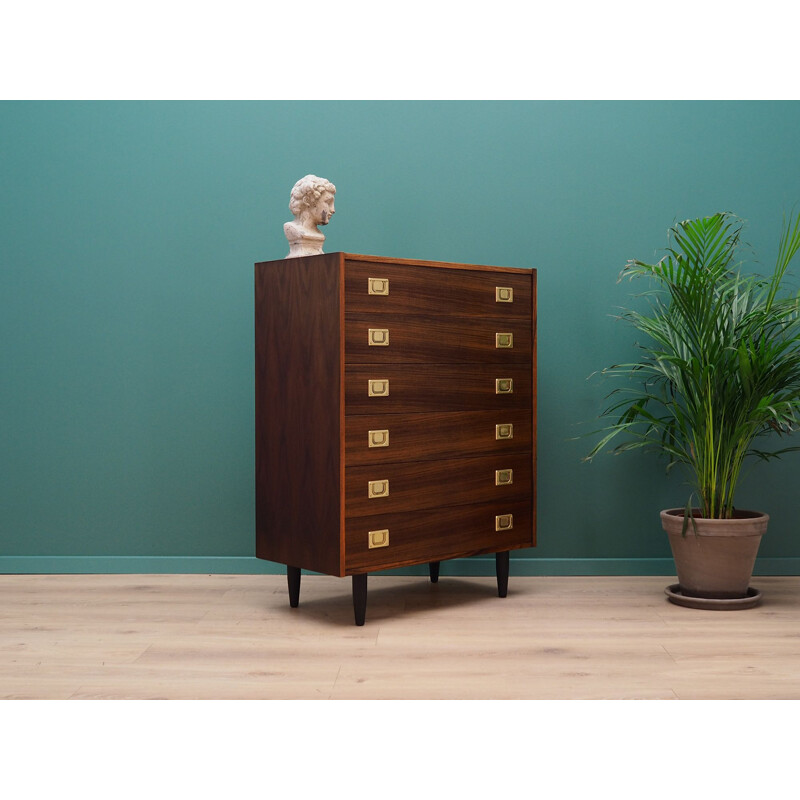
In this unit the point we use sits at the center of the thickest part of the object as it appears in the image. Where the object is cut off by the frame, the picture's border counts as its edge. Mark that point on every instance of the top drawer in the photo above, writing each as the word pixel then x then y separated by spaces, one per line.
pixel 407 289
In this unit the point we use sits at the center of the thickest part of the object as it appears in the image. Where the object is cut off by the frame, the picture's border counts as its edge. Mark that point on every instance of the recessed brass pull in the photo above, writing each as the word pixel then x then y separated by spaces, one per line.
pixel 378 337
pixel 379 438
pixel 378 285
pixel 379 538
pixel 503 294
pixel 503 477
pixel 504 340
pixel 379 388
pixel 504 522
pixel 505 431
pixel 504 386
pixel 378 489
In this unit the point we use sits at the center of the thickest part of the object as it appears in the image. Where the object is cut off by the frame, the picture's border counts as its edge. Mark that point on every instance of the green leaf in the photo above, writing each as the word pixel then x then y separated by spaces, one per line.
pixel 718 358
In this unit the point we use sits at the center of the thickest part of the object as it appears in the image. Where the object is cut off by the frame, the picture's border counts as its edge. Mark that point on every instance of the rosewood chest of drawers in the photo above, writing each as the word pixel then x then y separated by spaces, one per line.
pixel 395 415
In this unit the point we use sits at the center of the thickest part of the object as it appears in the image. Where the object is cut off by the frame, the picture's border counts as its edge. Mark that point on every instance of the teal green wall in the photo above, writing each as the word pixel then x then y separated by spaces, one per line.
pixel 128 233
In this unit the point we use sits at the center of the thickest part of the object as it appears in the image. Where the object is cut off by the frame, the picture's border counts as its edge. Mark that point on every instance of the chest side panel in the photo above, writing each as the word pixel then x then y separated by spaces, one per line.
pixel 298 381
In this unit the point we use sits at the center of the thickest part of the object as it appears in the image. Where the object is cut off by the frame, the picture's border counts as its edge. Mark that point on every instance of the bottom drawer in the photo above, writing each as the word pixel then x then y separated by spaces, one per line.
pixel 416 537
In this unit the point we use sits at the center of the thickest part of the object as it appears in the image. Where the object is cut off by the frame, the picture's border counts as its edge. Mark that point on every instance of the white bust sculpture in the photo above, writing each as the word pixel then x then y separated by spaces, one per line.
pixel 311 202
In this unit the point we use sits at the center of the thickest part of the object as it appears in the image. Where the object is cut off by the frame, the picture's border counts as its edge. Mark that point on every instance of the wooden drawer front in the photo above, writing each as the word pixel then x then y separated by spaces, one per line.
pixel 435 290
pixel 408 486
pixel 391 339
pixel 436 535
pixel 435 387
pixel 384 438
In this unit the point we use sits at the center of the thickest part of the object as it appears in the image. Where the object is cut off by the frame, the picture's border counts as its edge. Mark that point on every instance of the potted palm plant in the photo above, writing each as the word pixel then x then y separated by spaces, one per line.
pixel 719 369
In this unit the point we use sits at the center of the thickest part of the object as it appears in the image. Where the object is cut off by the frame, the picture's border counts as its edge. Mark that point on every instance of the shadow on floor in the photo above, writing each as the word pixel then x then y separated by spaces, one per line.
pixel 389 597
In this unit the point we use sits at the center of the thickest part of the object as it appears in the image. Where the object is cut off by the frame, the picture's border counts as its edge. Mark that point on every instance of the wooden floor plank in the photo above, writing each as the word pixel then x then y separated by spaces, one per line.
pixel 235 637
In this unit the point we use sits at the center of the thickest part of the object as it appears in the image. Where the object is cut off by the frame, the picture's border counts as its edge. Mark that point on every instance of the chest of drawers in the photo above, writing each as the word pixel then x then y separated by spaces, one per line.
pixel 395 415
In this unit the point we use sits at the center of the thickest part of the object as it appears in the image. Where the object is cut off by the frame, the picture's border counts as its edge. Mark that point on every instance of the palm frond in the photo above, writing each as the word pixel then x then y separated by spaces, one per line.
pixel 719 358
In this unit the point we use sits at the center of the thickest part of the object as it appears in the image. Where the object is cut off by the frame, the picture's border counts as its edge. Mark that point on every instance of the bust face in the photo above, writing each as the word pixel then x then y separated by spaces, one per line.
pixel 323 209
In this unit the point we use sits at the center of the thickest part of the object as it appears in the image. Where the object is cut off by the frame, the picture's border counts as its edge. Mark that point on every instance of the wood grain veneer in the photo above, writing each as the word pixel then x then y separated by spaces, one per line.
pixel 437 387
pixel 314 412
pixel 462 290
pixel 458 530
pixel 436 340
pixel 298 413
pixel 437 435
pixel 415 485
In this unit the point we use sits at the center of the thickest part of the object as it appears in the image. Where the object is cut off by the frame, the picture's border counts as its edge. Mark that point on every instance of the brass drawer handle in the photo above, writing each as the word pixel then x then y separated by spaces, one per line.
pixel 504 386
pixel 379 388
pixel 378 538
pixel 503 522
pixel 504 431
pixel 378 489
pixel 503 477
pixel 503 340
pixel 378 286
pixel 379 438
pixel 503 294
pixel 378 337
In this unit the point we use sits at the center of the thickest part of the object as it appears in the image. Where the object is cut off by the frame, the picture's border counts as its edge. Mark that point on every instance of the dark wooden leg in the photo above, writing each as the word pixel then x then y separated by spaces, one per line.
pixel 502 573
pixel 293 579
pixel 360 597
pixel 434 568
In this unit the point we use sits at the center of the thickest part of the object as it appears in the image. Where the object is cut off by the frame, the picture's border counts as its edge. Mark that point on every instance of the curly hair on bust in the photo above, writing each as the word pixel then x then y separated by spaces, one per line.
pixel 307 191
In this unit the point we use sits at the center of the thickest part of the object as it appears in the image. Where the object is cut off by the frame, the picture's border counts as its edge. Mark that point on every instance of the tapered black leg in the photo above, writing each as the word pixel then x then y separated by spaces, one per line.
pixel 360 597
pixel 502 573
pixel 434 568
pixel 293 579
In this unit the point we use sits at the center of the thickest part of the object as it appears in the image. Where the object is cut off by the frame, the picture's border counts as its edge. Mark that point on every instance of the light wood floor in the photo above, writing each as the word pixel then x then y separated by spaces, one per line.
pixel 235 637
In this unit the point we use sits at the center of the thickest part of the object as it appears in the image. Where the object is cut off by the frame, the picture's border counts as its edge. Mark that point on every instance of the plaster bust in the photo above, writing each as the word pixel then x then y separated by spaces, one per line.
pixel 311 202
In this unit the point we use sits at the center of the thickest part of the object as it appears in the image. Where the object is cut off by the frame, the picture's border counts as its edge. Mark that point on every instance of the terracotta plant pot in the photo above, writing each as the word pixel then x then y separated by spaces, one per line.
pixel 717 560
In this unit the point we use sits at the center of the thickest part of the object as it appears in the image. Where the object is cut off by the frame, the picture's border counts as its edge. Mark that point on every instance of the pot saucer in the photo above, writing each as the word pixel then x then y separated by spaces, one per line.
pixel 673 592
